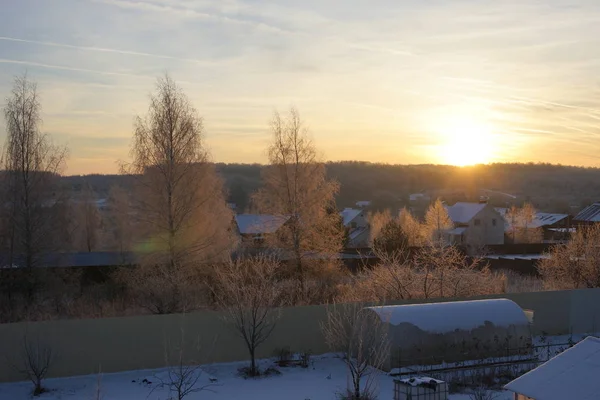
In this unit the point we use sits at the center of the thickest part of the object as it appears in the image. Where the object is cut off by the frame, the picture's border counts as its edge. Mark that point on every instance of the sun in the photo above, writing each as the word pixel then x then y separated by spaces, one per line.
pixel 465 141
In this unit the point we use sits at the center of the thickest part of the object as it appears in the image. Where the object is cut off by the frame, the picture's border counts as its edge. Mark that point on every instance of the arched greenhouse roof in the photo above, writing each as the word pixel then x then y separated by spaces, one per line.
pixel 450 316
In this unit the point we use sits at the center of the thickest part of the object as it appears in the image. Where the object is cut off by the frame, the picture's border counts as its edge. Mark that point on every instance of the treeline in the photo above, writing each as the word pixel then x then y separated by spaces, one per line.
pixel 551 188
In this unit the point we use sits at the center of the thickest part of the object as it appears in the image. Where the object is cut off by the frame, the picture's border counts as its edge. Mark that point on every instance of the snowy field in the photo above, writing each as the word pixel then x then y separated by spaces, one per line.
pixel 321 381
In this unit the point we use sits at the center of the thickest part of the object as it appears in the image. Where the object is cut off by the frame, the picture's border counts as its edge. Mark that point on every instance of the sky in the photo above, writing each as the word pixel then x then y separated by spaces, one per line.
pixel 402 82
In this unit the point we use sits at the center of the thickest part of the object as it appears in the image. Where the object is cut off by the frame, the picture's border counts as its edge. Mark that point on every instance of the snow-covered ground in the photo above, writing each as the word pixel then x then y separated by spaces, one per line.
pixel 326 376
pixel 321 381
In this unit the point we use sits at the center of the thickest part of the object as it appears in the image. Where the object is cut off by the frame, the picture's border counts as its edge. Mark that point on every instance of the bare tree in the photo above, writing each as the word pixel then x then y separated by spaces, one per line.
pixel 36 359
pixel 249 295
pixel 362 338
pixel 31 166
pixel 437 222
pixel 89 219
pixel 576 264
pixel 183 374
pixel 432 272
pixel 179 202
pixel 295 184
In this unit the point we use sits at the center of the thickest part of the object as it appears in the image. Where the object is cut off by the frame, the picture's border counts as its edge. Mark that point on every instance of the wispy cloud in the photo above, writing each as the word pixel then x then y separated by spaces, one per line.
pixel 366 76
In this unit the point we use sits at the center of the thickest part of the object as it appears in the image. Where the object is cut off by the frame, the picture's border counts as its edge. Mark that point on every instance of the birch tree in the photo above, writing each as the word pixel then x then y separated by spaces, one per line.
pixel 179 203
pixel 295 185
pixel 31 166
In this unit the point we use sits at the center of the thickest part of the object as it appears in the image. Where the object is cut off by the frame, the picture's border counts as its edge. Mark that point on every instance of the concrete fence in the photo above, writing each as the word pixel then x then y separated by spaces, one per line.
pixel 127 343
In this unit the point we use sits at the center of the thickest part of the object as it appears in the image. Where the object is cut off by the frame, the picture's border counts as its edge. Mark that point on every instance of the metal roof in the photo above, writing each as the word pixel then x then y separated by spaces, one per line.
pixel 590 213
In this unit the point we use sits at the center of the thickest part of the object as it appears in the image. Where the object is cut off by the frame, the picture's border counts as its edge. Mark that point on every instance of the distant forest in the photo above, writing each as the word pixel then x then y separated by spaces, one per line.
pixel 552 188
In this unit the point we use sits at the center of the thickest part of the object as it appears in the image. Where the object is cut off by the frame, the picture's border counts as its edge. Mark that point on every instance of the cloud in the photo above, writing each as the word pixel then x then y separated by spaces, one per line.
pixel 364 76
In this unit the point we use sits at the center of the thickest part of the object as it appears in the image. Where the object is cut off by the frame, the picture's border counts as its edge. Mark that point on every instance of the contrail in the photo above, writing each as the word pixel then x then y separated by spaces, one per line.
pixel 41 65
pixel 103 50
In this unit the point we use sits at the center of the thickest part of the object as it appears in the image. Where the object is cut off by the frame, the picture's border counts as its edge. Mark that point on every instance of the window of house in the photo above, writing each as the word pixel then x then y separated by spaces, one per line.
pixel 494 222
pixel 353 225
pixel 477 222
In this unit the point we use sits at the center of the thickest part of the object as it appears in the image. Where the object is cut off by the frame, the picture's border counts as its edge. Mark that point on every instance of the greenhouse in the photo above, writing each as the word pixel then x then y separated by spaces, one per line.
pixel 438 333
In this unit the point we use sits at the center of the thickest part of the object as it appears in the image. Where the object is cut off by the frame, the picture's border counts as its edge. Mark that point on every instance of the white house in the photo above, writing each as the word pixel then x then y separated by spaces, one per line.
pixel 354 218
pixel 573 374
pixel 476 224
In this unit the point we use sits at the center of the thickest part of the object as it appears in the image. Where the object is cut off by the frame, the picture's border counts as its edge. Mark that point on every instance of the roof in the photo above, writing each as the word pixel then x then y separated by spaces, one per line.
pixel 463 213
pixel 541 219
pixel 457 231
pixel 449 316
pixel 363 203
pixel 590 213
pixel 253 224
pixel 573 374
pixel 349 214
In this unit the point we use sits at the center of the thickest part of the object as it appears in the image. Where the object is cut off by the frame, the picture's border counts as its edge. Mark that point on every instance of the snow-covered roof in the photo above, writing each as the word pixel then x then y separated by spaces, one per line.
pixel 573 374
pixel 449 316
pixel 252 224
pixel 457 231
pixel 463 213
pixel 590 213
pixel 349 214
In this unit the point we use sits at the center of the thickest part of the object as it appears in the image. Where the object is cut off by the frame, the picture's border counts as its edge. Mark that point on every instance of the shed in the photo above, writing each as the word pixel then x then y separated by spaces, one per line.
pixel 573 374
pixel 437 333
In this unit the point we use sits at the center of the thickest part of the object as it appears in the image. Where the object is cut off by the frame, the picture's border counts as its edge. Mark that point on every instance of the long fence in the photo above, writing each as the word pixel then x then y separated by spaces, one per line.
pixel 87 346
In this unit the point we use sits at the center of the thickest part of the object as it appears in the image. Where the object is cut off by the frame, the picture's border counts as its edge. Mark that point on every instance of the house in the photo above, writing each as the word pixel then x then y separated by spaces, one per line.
pixel 255 228
pixel 355 221
pixel 354 218
pixel 556 227
pixel 588 216
pixel 475 224
pixel 573 374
